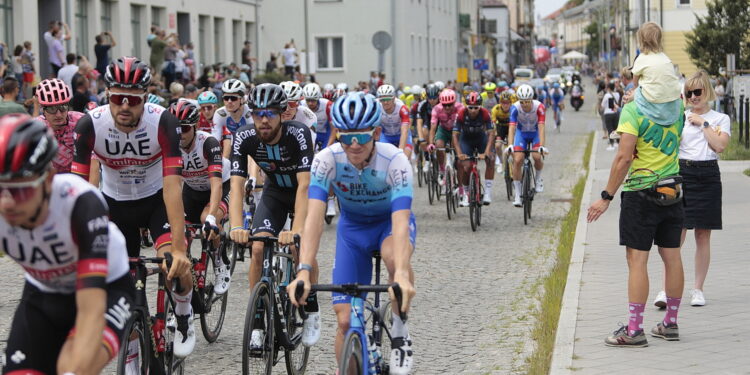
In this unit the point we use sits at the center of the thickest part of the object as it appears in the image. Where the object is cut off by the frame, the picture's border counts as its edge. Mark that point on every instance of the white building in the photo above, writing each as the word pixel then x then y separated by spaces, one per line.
pixel 496 18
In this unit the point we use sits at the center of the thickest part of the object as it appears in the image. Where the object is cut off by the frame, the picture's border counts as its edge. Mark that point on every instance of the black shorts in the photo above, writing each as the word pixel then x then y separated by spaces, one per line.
pixel 702 194
pixel 643 223
pixel 196 201
pixel 502 132
pixel 273 209
pixel 43 321
pixel 131 216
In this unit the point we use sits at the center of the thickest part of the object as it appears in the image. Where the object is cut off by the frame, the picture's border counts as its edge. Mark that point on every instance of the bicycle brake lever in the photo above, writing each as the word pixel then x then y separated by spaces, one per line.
pixel 397 292
pixel 177 286
pixel 298 290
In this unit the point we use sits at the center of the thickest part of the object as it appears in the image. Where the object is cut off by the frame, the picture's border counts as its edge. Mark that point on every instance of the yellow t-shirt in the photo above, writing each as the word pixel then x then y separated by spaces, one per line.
pixel 499 116
pixel 657 78
pixel 656 151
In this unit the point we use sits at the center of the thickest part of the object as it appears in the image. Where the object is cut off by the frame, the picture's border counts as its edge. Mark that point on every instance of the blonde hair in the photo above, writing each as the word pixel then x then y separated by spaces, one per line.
pixel 649 38
pixel 626 73
pixel 700 80
pixel 176 88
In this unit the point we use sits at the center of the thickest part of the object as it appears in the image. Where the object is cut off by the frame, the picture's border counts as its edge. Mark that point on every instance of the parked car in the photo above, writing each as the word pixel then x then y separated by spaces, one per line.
pixel 522 74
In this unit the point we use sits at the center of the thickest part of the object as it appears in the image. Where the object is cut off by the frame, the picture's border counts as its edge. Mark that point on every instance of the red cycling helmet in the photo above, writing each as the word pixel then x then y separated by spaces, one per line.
pixel 27 146
pixel 186 112
pixel 447 96
pixel 473 98
pixel 53 92
pixel 128 72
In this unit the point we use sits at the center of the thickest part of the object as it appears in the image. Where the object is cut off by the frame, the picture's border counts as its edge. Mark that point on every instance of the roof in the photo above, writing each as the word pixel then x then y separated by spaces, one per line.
pixel 492 3
pixel 558 12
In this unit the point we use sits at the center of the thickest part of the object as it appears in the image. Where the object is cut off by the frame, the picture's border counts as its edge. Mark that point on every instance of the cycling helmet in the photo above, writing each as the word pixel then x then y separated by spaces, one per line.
pixel 406 90
pixel 128 72
pixel 293 90
pixel 329 94
pixel 447 96
pixel 207 97
pixel 27 146
pixel 473 99
pixel 268 95
pixel 311 91
pixel 338 93
pixel 506 96
pixel 343 86
pixel 416 90
pixel 502 84
pixel 489 86
pixel 432 91
pixel 525 92
pixel 556 85
pixel 53 92
pixel 328 86
pixel 386 91
pixel 90 106
pixel 153 99
pixel 186 112
pixel 440 85
pixel 354 111
pixel 233 86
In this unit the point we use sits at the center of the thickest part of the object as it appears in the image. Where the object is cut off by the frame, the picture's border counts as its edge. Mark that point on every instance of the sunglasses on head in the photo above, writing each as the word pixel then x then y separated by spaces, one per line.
pixel 230 98
pixel 130 99
pixel 52 109
pixel 473 107
pixel 697 92
pixel 360 137
pixel 21 191
pixel 269 113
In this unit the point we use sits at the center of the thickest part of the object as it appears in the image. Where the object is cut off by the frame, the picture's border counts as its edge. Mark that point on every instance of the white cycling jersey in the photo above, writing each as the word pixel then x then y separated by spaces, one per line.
pixel 322 114
pixel 391 122
pixel 222 120
pixel 204 160
pixel 307 117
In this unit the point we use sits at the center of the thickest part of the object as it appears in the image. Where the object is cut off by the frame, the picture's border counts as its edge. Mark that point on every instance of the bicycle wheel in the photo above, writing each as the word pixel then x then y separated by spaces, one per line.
pixel 258 360
pixel 140 354
pixel 234 253
pixel 455 191
pixel 172 364
pixel 352 362
pixel 507 175
pixel 473 203
pixel 478 199
pixel 215 306
pixel 296 359
pixel 449 192
pixel 420 164
pixel 386 320
pixel 526 191
pixel 430 186
pixel 436 177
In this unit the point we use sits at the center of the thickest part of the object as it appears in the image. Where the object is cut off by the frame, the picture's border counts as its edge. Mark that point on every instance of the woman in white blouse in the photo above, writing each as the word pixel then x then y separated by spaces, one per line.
pixel 704 136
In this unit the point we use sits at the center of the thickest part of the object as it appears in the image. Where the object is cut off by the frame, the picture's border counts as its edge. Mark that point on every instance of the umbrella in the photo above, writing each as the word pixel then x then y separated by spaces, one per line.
pixel 573 55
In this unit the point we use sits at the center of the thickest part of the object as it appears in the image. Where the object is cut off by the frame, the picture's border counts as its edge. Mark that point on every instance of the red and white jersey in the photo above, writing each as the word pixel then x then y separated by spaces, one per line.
pixel 391 122
pixel 64 136
pixel 134 163
pixel 322 114
pixel 202 161
pixel 527 121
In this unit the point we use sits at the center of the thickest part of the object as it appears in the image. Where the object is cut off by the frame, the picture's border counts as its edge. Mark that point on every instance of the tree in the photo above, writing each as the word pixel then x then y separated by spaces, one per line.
pixel 593 46
pixel 724 30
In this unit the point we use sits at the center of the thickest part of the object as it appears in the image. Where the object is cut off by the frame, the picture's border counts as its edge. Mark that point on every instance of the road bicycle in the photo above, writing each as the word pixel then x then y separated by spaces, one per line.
pixel 508 175
pixel 558 116
pixel 528 182
pixel 476 192
pixel 421 175
pixel 365 353
pixel 248 211
pixel 432 178
pixel 153 335
pixel 270 312
pixel 450 183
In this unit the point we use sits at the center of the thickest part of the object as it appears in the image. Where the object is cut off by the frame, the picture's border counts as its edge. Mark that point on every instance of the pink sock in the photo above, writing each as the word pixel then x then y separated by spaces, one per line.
pixel 635 321
pixel 673 304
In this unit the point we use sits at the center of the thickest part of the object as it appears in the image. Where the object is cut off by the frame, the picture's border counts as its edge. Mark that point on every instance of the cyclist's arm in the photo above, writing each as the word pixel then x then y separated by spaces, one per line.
pixel 212 153
pixel 322 173
pixel 95 175
pixel 433 125
pixel 512 121
pixel 306 153
pixel 400 178
pixel 404 114
pixel 490 133
pixel 540 113
pixel 169 140
pixel 83 146
pixel 239 163
pixel 456 134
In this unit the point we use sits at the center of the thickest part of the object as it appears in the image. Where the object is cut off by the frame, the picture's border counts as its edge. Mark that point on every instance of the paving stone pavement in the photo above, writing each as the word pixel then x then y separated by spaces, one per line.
pixel 476 290
pixel 713 338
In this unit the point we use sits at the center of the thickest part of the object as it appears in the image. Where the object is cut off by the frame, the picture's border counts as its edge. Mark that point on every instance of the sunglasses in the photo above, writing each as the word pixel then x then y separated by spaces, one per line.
pixel 525 101
pixel 292 104
pixel 473 107
pixel 207 108
pixel 385 99
pixel 130 99
pixel 186 128
pixel 230 98
pixel 360 137
pixel 269 113
pixel 696 92
pixel 55 108
pixel 21 191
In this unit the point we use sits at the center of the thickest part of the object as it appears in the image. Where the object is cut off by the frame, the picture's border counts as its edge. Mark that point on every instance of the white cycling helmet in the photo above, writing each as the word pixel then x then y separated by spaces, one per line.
pixel 407 90
pixel 328 87
pixel 233 86
pixel 293 90
pixel 386 91
pixel 311 91
pixel 525 92
pixel 416 90
pixel 343 86
pixel 440 85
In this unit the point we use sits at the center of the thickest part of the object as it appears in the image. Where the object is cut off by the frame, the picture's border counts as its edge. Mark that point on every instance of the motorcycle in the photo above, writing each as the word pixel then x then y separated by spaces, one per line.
pixel 576 101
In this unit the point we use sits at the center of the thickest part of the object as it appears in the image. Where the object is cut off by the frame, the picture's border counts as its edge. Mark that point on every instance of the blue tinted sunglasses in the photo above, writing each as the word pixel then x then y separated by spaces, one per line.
pixel 361 137
pixel 270 113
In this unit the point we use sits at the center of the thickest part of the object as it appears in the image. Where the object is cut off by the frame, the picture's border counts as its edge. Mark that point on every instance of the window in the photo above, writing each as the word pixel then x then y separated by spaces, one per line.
pixel 237 44
pixel 218 37
pixel 203 37
pixel 330 52
pixel 158 16
pixel 683 3
pixel 106 15
pixel 489 26
pixel 411 56
pixel 135 26
pixel 81 27
pixel 6 29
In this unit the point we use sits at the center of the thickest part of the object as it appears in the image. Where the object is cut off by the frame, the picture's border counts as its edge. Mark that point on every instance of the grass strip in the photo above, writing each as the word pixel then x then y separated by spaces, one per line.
pixel 735 150
pixel 548 313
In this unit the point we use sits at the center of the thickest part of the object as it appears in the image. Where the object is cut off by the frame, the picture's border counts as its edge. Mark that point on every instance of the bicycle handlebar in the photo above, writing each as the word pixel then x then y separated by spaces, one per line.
pixel 352 290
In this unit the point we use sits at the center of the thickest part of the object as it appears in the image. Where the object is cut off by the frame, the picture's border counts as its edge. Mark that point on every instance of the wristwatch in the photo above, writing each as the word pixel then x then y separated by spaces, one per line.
pixel 304 266
pixel 706 124
pixel 607 196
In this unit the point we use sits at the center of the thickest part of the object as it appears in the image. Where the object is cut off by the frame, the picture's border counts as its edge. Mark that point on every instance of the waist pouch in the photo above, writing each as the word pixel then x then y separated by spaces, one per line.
pixel 665 192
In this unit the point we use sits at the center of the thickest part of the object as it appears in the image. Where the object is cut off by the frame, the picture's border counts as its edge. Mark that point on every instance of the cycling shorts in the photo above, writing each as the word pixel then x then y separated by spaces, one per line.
pixel 273 209
pixel 524 138
pixel 470 145
pixel 321 140
pixel 443 134
pixel 395 139
pixel 196 201
pixel 130 216
pixel 43 321
pixel 355 243
pixel 502 131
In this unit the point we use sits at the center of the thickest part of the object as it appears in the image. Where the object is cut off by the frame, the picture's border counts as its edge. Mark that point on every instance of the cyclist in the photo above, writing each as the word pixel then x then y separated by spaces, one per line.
pixel 234 114
pixel 77 292
pixel 406 96
pixel 502 86
pixel 440 85
pixel 205 194
pixel 54 98
pixel 294 111
pixel 557 98
pixel 138 146
pixel 208 103
pixel 441 125
pixel 501 118
pixel 375 214
pixel 328 90
pixel 472 131
pixel 284 150
pixel 527 118
pixel 541 95
pixel 489 97
pixel 394 120
pixel 424 116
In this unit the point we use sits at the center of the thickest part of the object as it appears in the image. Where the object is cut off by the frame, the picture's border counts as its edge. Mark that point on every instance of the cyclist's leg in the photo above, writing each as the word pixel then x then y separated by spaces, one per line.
pixel 519 144
pixel 270 217
pixel 129 218
pixel 160 230
pixel 467 147
pixel 442 138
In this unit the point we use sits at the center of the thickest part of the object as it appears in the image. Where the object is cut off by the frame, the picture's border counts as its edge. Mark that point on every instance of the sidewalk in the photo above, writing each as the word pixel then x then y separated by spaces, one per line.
pixel 715 339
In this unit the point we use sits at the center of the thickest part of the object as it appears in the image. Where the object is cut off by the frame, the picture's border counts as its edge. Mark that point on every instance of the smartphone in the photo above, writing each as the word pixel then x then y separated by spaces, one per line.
pixel 611 103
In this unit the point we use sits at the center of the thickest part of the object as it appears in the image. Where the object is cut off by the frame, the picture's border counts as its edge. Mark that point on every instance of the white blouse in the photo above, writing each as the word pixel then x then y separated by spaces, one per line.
pixel 693 145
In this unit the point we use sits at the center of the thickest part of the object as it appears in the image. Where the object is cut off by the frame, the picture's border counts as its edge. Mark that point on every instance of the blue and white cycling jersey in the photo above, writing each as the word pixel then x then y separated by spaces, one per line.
pixel 557 96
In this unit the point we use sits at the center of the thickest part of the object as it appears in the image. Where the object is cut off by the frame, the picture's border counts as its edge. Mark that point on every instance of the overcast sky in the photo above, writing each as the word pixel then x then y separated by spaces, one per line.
pixel 545 7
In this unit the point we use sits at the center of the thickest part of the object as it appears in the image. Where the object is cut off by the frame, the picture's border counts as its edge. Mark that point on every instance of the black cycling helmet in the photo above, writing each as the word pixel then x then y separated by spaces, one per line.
pixel 268 95
pixel 27 146
pixel 186 112
pixel 432 91
pixel 128 72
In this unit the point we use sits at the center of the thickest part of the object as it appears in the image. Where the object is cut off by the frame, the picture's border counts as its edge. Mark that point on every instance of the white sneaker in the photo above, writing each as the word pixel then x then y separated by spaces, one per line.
pixel 425 166
pixel 539 185
pixel 614 135
pixel 311 329
pixel 464 201
pixel 256 339
pixel 517 201
pixel 441 179
pixel 499 169
pixel 222 279
pixel 610 148
pixel 487 199
pixel 661 300
pixel 696 298
pixel 402 356
pixel 331 209
pixel 184 336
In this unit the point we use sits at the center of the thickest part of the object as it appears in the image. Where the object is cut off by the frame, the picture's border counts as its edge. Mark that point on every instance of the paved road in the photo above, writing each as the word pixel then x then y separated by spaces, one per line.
pixel 472 313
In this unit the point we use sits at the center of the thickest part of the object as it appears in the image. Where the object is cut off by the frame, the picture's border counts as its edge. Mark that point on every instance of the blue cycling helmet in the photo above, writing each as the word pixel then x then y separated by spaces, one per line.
pixel 502 84
pixel 207 97
pixel 355 111
pixel 153 99
pixel 556 85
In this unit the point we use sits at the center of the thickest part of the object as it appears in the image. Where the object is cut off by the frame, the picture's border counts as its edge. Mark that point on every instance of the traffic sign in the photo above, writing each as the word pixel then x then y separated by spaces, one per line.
pixel 462 75
pixel 381 40
pixel 481 64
